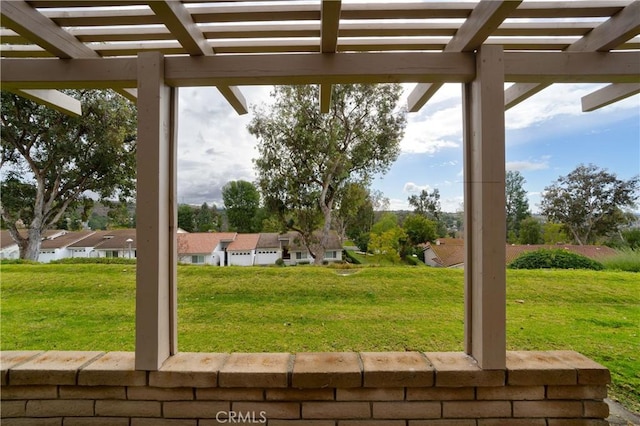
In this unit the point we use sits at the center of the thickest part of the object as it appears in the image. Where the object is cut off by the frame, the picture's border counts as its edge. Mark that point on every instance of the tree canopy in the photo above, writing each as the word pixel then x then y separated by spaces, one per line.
pixel 307 157
pixel 50 161
pixel 242 203
pixel 516 202
pixel 589 202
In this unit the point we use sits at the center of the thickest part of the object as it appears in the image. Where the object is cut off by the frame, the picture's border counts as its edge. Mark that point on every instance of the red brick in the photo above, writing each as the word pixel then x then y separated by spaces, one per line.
pixel 512 422
pixel 577 422
pixel 230 394
pixel 371 423
pixel 163 422
pixel 576 392
pixel 336 410
pixel 296 423
pixel 145 393
pixel 255 370
pixel 93 392
pixel 476 409
pixel 443 422
pixel 589 371
pixel 96 421
pixel 406 410
pixel 370 394
pixel 29 392
pixel 457 369
pixel 51 368
pixel 558 409
pixel 330 369
pixel 300 394
pixel 440 394
pixel 112 369
pixel 13 408
pixel 194 409
pixel 32 422
pixel 272 410
pixel 396 369
pixel 538 368
pixel 128 408
pixel 64 408
pixel 10 359
pixel 511 393
pixel 188 369
pixel 596 409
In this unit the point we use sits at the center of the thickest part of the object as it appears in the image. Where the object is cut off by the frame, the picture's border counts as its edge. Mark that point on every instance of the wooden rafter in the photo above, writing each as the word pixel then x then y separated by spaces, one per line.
pixel 608 95
pixel 179 22
pixel 613 32
pixel 53 99
pixel 483 20
pixel 330 22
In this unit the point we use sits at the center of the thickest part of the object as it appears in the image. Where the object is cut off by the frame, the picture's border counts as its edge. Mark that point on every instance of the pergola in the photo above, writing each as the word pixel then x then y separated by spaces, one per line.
pixel 146 50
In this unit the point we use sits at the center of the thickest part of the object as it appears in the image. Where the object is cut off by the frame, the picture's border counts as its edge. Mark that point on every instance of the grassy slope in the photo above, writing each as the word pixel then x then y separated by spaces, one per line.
pixel 91 307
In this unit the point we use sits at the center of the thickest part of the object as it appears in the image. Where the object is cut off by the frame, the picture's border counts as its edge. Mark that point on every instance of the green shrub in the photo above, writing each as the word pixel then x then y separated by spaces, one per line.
pixel 349 257
pixel 626 260
pixel 554 259
pixel 18 262
pixel 279 262
pixel 100 260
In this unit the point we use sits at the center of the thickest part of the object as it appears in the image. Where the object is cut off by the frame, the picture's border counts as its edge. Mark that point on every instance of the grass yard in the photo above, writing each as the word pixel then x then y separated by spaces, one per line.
pixel 91 307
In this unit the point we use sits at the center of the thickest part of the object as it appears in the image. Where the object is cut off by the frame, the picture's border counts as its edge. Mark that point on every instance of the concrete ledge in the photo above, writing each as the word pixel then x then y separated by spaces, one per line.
pixel 95 388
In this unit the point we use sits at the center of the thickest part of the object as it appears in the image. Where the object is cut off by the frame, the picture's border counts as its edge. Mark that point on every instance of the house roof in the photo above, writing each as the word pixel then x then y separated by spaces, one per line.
pixel 114 239
pixel 64 240
pixel 244 242
pixel 268 240
pixel 450 252
pixel 295 242
pixel 202 242
pixel 6 240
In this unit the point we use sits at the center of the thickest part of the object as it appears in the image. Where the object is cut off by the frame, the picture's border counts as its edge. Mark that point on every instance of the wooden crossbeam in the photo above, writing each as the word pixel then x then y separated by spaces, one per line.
pixel 613 32
pixel 178 20
pixel 483 20
pixel 330 23
pixel 340 68
pixel 608 95
pixel 53 99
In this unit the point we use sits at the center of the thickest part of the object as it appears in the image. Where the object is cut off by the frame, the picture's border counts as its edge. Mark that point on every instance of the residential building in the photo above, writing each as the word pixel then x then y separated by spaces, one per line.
pixel 204 248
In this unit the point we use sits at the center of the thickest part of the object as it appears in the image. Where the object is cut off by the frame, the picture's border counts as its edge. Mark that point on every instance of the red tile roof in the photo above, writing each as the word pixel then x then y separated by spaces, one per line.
pixel 450 251
pixel 202 242
pixel 244 242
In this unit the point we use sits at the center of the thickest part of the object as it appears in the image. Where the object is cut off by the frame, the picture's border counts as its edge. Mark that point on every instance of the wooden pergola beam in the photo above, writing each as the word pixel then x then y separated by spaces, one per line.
pixel 608 95
pixel 178 20
pixel 340 68
pixel 329 25
pixel 482 22
pixel 53 99
pixel 621 27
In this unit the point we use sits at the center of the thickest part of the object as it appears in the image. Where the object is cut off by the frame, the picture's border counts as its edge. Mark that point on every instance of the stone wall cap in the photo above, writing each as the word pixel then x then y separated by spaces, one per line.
pixel 530 368
pixel 457 369
pixel 112 369
pixel 388 369
pixel 52 367
pixel 189 369
pixel 10 359
pixel 327 369
pixel 255 370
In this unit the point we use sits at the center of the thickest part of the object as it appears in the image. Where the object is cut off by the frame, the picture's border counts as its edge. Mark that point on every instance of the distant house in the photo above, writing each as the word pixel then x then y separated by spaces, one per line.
pixel 449 252
pixel 8 247
pixel 204 248
pixel 58 247
pixel 242 250
pixel 114 243
pixel 294 252
pixel 268 248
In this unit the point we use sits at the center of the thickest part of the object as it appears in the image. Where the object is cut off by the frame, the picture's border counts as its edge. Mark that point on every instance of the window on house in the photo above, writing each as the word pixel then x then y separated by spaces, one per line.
pixel 330 255
pixel 197 259
pixel 111 253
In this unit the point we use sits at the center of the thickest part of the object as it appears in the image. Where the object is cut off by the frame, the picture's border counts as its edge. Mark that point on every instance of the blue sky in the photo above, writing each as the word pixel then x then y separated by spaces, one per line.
pixel 547 136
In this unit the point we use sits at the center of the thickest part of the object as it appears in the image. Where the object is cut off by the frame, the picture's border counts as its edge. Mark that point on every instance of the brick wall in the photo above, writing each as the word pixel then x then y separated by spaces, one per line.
pixel 316 389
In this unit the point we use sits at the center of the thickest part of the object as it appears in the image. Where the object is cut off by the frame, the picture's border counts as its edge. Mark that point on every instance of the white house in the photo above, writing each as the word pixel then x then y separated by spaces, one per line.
pixel 56 247
pixel 242 250
pixel 8 248
pixel 294 252
pixel 204 248
pixel 268 249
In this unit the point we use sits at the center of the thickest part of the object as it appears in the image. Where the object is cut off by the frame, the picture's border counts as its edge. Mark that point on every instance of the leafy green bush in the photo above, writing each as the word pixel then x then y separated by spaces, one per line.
pixel 279 262
pixel 100 260
pixel 556 259
pixel 18 262
pixel 349 257
pixel 626 260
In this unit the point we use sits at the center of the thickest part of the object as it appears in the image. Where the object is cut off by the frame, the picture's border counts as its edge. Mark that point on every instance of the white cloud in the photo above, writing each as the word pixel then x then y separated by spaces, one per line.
pixel 522 166
pixel 411 188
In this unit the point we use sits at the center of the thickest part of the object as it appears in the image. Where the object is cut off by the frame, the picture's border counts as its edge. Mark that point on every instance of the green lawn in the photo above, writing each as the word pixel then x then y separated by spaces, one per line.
pixel 295 309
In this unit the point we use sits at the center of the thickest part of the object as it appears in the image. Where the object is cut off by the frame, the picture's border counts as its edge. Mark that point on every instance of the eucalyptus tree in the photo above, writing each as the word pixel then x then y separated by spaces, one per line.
pixel 51 161
pixel 306 157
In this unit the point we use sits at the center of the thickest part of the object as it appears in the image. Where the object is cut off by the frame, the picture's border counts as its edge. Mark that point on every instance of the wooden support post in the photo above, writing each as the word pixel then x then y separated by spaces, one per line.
pixel 156 216
pixel 485 216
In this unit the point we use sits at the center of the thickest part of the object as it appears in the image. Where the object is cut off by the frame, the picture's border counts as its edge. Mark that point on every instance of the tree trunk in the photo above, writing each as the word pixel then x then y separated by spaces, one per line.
pixel 30 250
pixel 324 237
